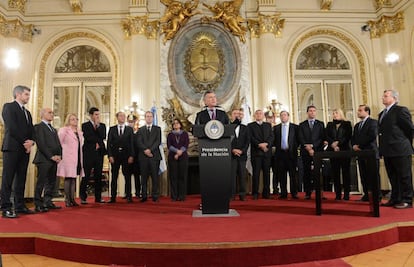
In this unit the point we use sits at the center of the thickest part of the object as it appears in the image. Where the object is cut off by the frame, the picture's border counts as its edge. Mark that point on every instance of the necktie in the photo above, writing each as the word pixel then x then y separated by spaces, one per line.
pixel 360 125
pixel 384 113
pixel 311 122
pixel 120 130
pixel 50 127
pixel 213 114
pixel 25 113
pixel 149 129
pixel 284 144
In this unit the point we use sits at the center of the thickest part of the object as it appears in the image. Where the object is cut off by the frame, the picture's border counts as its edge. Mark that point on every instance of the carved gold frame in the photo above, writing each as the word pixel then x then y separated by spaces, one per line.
pixel 345 39
pixel 55 44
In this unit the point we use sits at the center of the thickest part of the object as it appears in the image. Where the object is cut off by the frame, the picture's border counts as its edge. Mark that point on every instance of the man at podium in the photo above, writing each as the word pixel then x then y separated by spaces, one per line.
pixel 210 111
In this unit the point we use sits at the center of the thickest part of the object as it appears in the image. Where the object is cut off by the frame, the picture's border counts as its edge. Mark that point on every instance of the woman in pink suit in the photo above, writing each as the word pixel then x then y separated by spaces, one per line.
pixel 71 139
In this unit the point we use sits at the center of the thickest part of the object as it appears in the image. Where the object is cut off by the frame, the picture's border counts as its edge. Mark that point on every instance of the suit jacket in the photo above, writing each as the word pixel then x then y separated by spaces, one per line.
pixel 17 129
pixel 260 134
pixel 203 117
pixel 150 141
pixel 121 145
pixel 366 137
pixel 91 137
pixel 48 144
pixel 67 167
pixel 241 142
pixel 315 137
pixel 396 132
pixel 342 134
pixel 293 140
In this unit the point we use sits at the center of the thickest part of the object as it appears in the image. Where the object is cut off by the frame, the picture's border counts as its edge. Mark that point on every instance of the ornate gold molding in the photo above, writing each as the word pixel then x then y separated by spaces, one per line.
pixel 18 4
pixel 345 39
pixel 326 5
pixel 140 25
pixel 266 24
pixel 15 28
pixel 386 24
pixel 76 6
pixel 382 3
pixel 60 41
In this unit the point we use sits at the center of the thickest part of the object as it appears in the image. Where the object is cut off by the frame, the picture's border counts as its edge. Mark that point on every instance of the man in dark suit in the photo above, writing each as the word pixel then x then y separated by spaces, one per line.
pixel 365 138
pixel 211 112
pixel 286 154
pixel 148 142
pixel 121 153
pixel 261 141
pixel 48 155
pixel 136 171
pixel 17 143
pixel 395 145
pixel 239 146
pixel 311 139
pixel 94 150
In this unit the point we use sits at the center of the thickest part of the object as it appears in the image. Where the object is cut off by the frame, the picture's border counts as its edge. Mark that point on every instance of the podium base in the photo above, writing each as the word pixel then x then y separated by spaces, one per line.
pixel 199 214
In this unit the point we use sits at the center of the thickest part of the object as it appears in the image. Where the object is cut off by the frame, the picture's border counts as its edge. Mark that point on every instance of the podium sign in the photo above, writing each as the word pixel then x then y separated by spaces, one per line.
pixel 214 142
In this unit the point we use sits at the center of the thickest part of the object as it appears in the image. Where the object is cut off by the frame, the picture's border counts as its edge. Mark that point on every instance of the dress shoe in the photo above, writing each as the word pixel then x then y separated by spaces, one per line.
pixel 265 196
pixel 295 197
pixel 99 201
pixel 307 197
pixel 112 200
pixel 346 198
pixel 41 209
pixel 53 207
pixel 403 205
pixel 84 202
pixel 364 198
pixel 129 199
pixel 155 199
pixel 73 202
pixel 24 211
pixel 9 214
pixel 68 204
pixel 242 198
pixel 255 197
pixel 144 199
pixel 388 204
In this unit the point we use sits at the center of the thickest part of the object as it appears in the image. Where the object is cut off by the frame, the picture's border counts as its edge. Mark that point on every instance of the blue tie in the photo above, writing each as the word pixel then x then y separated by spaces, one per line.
pixel 284 144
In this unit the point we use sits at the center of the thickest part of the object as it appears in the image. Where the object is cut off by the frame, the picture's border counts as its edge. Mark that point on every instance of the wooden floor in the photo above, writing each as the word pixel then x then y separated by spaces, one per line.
pixel 397 255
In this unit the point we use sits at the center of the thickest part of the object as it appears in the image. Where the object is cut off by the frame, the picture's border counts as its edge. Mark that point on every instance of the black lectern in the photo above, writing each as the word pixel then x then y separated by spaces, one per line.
pixel 214 142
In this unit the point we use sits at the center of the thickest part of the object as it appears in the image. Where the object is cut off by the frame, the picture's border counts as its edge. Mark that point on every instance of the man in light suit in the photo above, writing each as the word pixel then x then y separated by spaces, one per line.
pixel 395 145
pixel 365 138
pixel 211 112
pixel 147 145
pixel 17 144
pixel 121 153
pixel 261 141
pixel 286 154
pixel 311 139
pixel 48 155
pixel 94 133
pixel 239 146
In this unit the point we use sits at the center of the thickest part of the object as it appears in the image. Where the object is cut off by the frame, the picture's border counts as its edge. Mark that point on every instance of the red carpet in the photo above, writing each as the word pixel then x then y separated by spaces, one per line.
pixel 268 232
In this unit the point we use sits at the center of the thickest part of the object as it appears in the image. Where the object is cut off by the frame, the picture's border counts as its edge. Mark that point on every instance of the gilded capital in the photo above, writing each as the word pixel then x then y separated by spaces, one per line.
pixel 15 28
pixel 18 4
pixel 386 24
pixel 76 6
pixel 266 24
pixel 140 25
pixel 326 5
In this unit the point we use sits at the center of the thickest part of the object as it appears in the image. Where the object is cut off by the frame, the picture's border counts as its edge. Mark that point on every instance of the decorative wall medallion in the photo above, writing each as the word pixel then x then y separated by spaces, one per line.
pixel 204 56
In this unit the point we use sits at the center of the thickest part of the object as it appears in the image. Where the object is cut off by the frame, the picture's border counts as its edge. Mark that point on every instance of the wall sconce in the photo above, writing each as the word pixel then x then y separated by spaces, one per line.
pixel 392 58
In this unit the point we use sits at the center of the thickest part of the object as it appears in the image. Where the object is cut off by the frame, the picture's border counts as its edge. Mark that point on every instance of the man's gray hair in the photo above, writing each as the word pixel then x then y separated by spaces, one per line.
pixel 19 89
pixel 394 94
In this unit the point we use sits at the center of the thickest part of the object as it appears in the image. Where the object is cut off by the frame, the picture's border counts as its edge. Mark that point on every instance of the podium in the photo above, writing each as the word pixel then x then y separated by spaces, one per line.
pixel 214 142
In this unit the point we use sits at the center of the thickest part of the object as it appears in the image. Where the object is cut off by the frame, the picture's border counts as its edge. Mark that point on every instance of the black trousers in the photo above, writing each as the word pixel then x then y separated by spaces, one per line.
pixel 400 176
pixel 126 171
pixel 150 167
pixel 95 163
pixel 136 172
pixel 46 180
pixel 14 178
pixel 286 164
pixel 308 183
pixel 344 165
pixel 238 176
pixel 178 170
pixel 260 163
pixel 365 175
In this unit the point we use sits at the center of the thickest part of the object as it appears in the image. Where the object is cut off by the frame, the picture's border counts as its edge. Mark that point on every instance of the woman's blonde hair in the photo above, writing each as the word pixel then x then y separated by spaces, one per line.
pixel 340 113
pixel 68 118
